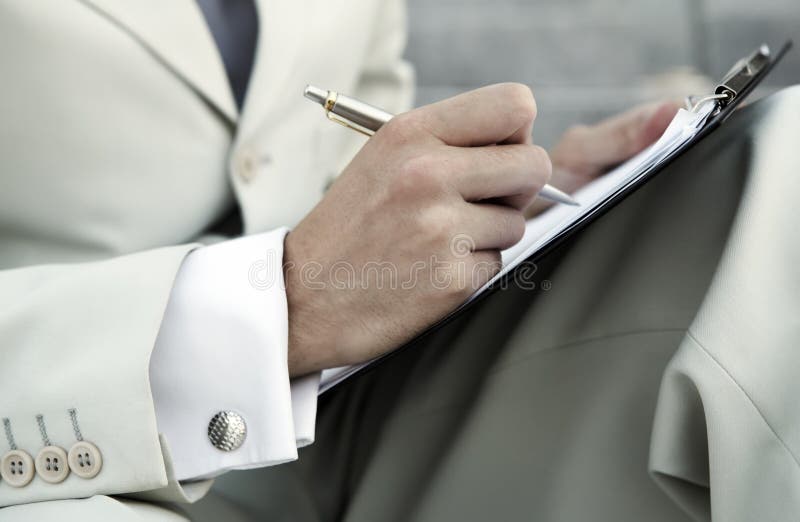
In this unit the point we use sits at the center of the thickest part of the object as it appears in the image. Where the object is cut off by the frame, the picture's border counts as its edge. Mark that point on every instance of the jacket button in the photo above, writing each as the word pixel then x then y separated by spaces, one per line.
pixel 51 464
pixel 85 459
pixel 16 468
pixel 246 167
pixel 227 430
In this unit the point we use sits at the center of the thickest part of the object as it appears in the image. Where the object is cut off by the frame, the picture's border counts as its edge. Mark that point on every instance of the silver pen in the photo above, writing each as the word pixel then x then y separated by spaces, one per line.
pixel 367 119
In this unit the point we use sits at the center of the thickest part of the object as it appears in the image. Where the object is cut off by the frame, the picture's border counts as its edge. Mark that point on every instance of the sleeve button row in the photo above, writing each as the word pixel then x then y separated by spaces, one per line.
pixel 52 464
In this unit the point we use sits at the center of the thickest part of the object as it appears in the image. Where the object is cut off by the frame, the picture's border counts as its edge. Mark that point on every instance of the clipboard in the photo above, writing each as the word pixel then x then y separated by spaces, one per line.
pixel 730 92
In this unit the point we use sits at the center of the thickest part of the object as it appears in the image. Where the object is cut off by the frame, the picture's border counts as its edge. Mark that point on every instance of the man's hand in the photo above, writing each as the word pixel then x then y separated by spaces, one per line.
pixel 412 227
pixel 585 152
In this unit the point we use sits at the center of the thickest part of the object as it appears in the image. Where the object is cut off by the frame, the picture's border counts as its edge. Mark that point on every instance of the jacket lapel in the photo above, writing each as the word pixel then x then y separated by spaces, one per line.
pixel 279 33
pixel 176 33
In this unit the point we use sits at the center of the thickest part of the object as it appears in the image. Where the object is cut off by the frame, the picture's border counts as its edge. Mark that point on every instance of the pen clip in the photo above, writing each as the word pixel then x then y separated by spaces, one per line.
pixel 349 124
pixel 330 102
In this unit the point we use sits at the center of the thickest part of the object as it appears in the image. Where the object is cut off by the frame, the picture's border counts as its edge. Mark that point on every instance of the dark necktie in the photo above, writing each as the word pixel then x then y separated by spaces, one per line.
pixel 234 25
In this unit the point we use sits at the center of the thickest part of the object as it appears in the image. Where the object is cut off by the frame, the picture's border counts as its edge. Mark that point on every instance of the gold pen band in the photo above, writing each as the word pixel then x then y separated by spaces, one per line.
pixel 330 101
pixel 330 104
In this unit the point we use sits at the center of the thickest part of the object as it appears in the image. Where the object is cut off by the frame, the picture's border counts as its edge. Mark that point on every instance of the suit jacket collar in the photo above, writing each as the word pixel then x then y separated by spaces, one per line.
pixel 176 33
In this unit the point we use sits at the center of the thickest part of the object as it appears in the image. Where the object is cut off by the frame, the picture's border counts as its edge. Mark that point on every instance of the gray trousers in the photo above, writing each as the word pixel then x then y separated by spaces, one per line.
pixel 618 394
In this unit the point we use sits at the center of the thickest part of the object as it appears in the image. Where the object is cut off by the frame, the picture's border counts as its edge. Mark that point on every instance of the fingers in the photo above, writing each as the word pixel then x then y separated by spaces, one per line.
pixel 658 123
pixel 630 132
pixel 591 150
pixel 502 113
pixel 492 228
pixel 511 174
pixel 499 228
pixel 489 227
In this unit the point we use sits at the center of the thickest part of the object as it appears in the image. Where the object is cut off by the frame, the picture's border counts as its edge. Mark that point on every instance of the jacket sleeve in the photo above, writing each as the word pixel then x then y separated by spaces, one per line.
pixel 75 344
pixel 726 435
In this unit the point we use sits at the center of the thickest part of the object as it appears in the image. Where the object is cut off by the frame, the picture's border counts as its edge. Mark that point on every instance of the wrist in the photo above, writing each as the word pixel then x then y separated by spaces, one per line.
pixel 312 335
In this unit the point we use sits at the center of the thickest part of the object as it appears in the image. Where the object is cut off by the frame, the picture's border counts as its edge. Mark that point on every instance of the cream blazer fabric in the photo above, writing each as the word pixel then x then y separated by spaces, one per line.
pixel 726 435
pixel 120 145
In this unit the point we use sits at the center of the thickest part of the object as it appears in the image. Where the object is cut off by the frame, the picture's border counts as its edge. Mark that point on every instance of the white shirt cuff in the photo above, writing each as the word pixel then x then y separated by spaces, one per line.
pixel 222 346
pixel 304 408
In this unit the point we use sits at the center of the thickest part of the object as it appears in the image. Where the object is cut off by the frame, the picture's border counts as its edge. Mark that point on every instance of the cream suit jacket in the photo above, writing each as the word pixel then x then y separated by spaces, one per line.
pixel 120 145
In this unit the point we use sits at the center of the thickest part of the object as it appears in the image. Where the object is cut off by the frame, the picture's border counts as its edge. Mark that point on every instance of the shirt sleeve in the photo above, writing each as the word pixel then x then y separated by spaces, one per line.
pixel 222 347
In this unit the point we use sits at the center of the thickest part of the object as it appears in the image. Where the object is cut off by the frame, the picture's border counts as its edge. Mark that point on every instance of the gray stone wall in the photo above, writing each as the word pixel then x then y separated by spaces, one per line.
pixel 586 59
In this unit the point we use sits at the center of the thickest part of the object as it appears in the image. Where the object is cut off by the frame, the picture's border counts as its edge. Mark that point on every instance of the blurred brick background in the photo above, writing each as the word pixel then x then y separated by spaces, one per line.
pixel 589 58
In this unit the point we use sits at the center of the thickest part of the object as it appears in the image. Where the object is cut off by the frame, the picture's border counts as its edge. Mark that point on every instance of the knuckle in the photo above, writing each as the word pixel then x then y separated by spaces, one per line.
pixel 542 169
pixel 630 136
pixel 577 131
pixel 575 135
pixel 522 99
pixel 510 156
pixel 436 223
pixel 413 180
pixel 418 175
pixel 493 258
pixel 465 288
pixel 461 286
pixel 401 129
pixel 544 164
pixel 516 227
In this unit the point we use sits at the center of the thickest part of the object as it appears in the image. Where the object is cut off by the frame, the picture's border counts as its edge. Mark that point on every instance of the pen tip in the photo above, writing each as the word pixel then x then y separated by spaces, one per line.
pixel 553 194
pixel 315 94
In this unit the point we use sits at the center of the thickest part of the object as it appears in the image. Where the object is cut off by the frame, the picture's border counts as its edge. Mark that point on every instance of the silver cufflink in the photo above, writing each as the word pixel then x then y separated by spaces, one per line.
pixel 227 430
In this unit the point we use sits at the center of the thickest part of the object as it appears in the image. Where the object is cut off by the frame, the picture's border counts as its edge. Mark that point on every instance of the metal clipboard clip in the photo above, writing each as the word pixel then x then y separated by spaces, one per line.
pixel 737 80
